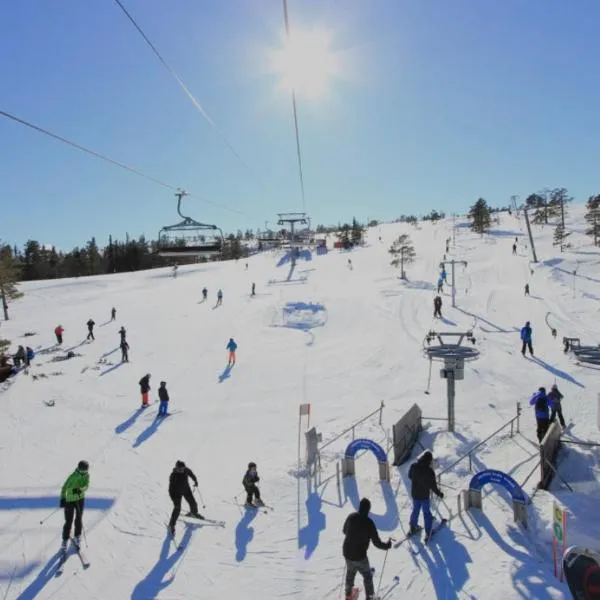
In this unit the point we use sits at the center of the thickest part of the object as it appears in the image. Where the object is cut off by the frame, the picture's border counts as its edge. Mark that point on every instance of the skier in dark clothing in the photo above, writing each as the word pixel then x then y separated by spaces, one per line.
pixel 144 389
pixel 555 401
pixel 19 357
pixel 58 332
pixel 542 412
pixel 124 350
pixel 219 298
pixel 72 497
pixel 423 483
pixel 90 326
pixel 204 294
pixel 437 307
pixel 163 396
pixel 179 487
pixel 527 289
pixel 515 248
pixel 253 292
pixel 113 314
pixel 123 333
pixel 249 482
pixel 526 333
pixel 360 530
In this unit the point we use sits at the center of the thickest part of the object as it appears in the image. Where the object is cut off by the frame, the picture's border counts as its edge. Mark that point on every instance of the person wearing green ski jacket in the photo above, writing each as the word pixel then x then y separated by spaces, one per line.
pixel 72 498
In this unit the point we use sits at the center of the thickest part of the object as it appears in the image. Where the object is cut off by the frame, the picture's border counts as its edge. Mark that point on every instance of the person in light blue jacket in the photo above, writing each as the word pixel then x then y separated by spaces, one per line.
pixel 526 338
pixel 542 412
pixel 232 347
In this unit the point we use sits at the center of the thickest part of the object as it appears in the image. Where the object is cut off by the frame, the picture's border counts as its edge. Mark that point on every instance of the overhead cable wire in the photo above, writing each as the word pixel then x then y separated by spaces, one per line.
pixel 286 21
pixel 110 160
pixel 185 88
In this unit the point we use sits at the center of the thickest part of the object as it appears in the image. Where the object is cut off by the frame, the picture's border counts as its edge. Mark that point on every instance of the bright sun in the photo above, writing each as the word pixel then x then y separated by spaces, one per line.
pixel 306 63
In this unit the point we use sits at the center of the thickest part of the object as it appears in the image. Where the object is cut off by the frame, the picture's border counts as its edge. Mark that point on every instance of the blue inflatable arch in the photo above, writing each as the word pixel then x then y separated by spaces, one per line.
pixel 506 481
pixel 364 444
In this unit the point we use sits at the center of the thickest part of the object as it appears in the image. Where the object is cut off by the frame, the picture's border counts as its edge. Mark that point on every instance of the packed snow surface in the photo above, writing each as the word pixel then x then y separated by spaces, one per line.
pixel 344 340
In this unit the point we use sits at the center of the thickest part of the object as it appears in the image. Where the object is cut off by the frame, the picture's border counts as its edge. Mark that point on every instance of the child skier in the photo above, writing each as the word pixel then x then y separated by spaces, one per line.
pixel 90 325
pixel 249 482
pixel 72 496
pixel 555 400
pixel 232 347
pixel 163 396
pixel 179 487
pixel 58 332
pixel 527 289
pixel 437 307
pixel 253 292
pixel 144 389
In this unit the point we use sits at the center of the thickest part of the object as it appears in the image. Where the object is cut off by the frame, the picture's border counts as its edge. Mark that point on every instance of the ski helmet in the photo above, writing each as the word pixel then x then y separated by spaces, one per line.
pixel 83 465
pixel 180 464
pixel 252 465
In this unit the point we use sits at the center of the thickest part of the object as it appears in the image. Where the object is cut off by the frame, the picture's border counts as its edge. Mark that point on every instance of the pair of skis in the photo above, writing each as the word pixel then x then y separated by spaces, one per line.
pixel 85 563
pixel 418 530
pixel 178 546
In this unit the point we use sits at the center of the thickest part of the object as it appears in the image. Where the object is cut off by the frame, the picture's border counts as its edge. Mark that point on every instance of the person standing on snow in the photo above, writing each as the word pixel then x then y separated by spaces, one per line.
pixel 423 481
pixel 58 332
pixel 542 412
pixel 232 347
pixel 219 298
pixel 249 482
pixel 113 314
pixel 555 401
pixel 179 487
pixel 526 338
pixel 437 307
pixel 204 294
pixel 163 396
pixel 527 289
pixel 72 497
pixel 90 325
pixel 123 333
pixel 144 389
pixel 360 530
pixel 253 292
pixel 124 350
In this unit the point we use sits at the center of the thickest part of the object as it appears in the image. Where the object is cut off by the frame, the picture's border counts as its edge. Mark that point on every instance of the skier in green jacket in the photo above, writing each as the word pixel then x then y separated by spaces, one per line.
pixel 72 498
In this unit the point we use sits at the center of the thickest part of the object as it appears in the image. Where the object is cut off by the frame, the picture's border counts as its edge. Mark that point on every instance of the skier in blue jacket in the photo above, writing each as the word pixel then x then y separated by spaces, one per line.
pixel 526 333
pixel 542 412
pixel 232 347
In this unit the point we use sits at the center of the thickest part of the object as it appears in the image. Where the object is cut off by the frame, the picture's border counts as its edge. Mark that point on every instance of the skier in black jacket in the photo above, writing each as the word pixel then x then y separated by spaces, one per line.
pixel 90 325
pixel 423 483
pixel 249 482
pixel 179 488
pixel 359 530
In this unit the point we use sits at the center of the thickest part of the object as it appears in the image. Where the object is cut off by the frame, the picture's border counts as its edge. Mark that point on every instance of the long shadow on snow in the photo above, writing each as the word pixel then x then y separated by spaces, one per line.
pixel 531 580
pixel 125 425
pixel 109 352
pixel 578 275
pixel 16 573
pixel 386 522
pixel 44 576
pixel 244 534
pixel 308 536
pixel 157 579
pixel 149 431
pixel 446 321
pixel 447 565
pixel 113 368
pixel 555 371
pixel 225 374
pixel 496 327
pixel 39 502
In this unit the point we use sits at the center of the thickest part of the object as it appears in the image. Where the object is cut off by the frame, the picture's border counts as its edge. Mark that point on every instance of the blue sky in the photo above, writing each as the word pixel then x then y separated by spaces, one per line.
pixel 438 102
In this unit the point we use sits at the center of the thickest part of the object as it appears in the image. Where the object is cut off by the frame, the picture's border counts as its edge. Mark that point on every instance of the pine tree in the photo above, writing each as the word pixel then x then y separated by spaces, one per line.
pixel 481 216
pixel 560 237
pixel 592 216
pixel 558 199
pixel 539 204
pixel 357 232
pixel 9 275
pixel 403 252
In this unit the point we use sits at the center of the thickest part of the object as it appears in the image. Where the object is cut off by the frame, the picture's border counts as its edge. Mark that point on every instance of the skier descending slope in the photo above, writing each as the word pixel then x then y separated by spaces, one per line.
pixel 526 335
pixel 249 482
pixel 179 488
pixel 359 530
pixel 72 498
pixel 423 483
pixel 232 347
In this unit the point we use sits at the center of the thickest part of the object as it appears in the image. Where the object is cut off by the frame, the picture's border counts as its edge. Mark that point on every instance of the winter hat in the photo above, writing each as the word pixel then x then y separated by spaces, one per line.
pixel 83 465
pixel 543 390
pixel 180 464
pixel 364 507
pixel 163 383
pixel 427 458
pixel 252 465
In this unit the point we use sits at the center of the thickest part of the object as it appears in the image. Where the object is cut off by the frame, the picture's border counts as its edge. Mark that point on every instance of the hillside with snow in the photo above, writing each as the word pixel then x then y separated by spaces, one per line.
pixel 342 339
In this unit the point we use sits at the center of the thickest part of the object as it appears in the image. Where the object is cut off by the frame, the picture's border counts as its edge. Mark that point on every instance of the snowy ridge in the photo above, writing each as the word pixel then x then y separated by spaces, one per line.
pixel 343 340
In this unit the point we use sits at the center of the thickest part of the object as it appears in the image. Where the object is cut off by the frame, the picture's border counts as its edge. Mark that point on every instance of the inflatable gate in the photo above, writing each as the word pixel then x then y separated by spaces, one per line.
pixel 364 444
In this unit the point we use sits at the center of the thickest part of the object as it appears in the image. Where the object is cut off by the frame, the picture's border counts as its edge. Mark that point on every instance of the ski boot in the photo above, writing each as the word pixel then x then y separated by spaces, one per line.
pixel 195 515
pixel 258 502
pixel 63 546
pixel 77 542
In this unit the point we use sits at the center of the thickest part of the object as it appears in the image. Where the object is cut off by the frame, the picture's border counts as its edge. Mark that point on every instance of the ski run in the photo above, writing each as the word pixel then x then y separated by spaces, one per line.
pixel 341 339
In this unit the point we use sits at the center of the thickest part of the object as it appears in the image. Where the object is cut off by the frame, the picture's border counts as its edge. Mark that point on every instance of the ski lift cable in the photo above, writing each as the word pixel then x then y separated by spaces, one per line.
pixel 111 160
pixel 187 92
pixel 286 22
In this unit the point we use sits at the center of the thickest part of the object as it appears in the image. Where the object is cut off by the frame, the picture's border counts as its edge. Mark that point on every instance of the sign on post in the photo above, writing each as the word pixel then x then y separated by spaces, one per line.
pixel 559 538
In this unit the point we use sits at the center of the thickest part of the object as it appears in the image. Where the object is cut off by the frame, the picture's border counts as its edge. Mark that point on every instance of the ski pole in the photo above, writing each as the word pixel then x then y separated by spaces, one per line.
pixel 84 536
pixel 429 378
pixel 200 496
pixel 382 570
pixel 50 515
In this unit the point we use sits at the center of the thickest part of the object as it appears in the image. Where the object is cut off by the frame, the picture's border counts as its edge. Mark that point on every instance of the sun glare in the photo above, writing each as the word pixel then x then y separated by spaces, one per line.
pixel 306 63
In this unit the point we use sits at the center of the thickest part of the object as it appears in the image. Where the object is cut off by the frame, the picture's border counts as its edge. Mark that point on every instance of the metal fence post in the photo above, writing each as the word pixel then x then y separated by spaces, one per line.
pixel 518 417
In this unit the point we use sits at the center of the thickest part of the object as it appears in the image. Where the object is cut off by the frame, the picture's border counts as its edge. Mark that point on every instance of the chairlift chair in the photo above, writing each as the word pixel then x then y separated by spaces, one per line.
pixel 189 237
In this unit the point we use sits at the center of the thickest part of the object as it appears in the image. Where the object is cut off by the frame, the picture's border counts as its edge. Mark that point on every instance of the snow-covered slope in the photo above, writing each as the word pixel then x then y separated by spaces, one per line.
pixel 343 340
